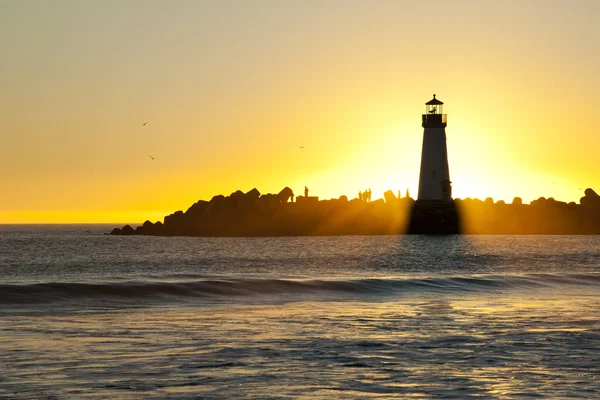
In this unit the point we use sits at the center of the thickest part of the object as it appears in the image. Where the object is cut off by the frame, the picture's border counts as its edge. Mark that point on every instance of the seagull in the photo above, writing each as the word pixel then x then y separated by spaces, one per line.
pixel 151 157
pixel 144 124
pixel 301 147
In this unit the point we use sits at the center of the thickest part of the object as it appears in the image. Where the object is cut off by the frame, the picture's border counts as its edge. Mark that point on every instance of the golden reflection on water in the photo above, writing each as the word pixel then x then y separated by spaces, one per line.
pixel 508 344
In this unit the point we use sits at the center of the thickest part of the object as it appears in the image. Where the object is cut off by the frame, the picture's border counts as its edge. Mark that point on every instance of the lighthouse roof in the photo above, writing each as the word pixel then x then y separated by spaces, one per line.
pixel 433 102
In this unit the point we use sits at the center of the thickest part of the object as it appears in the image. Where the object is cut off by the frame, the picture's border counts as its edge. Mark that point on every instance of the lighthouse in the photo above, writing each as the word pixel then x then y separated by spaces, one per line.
pixel 434 178
pixel 434 212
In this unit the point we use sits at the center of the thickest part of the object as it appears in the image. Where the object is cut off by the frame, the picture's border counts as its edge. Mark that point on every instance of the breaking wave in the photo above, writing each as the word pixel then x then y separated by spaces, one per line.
pixel 229 288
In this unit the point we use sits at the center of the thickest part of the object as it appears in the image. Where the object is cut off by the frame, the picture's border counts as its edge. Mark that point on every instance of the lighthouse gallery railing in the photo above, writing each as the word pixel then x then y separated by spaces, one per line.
pixel 434 118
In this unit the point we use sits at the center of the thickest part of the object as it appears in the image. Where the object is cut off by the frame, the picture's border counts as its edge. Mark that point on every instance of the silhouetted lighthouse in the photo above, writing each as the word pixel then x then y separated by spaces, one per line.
pixel 434 212
pixel 434 179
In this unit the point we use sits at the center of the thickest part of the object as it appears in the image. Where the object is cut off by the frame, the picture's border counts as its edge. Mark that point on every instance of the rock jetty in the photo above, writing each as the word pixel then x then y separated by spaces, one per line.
pixel 256 214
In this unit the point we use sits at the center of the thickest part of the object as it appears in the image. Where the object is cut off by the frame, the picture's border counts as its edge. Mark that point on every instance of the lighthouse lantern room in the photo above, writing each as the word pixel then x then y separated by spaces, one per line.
pixel 434 116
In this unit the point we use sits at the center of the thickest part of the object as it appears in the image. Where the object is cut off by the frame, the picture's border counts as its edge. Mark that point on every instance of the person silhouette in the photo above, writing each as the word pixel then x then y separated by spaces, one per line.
pixel 305 191
pixel 360 195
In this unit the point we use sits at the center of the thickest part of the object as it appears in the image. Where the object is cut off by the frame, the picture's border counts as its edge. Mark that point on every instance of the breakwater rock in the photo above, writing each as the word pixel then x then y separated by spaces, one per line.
pixel 256 214
pixel 545 216
pixel 253 214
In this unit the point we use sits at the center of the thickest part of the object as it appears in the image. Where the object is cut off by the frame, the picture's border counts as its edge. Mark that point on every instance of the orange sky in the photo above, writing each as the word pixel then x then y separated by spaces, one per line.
pixel 231 89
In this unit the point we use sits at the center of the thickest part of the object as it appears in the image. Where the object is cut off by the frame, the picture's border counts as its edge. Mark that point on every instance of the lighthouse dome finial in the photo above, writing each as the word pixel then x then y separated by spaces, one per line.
pixel 434 101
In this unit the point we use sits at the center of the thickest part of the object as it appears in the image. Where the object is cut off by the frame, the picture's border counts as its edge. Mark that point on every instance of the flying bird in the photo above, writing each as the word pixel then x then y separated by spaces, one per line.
pixel 151 157
pixel 144 124
pixel 301 147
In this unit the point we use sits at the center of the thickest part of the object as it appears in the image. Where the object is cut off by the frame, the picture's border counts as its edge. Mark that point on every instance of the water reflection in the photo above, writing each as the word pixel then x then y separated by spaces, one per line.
pixel 513 344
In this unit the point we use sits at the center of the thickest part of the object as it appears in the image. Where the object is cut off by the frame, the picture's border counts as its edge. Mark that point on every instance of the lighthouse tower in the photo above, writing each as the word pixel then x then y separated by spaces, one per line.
pixel 434 179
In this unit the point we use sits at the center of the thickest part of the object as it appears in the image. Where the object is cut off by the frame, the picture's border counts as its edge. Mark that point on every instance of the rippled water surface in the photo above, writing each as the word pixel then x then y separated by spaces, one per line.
pixel 84 315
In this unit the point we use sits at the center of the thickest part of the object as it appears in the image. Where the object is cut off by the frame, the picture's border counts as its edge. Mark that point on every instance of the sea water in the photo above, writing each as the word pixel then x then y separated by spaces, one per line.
pixel 86 315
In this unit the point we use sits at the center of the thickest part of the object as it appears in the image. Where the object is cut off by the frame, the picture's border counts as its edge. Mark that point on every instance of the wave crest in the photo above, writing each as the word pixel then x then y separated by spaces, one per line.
pixel 225 288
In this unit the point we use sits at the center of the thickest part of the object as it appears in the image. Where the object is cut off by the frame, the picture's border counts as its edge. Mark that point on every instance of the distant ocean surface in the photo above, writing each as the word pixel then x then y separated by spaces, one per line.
pixel 87 315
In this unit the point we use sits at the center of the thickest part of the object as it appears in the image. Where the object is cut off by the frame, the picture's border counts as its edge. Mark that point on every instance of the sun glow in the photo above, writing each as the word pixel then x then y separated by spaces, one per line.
pixel 233 113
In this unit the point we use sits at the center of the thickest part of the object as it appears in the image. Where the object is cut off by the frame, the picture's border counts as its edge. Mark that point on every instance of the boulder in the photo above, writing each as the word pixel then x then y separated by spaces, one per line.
pixel 197 209
pixel 147 225
pixel 268 200
pixel 174 219
pixel 149 228
pixel 217 203
pixel 253 194
pixel 390 197
pixel 127 230
pixel 216 199
pixel 285 194
pixel 236 196
pixel 591 199
pixel 115 231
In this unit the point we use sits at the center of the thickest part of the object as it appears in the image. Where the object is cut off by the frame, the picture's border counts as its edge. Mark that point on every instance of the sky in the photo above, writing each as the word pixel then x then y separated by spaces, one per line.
pixel 231 90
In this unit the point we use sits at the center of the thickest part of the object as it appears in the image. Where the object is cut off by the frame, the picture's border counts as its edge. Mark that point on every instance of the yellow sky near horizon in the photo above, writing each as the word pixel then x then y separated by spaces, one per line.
pixel 231 89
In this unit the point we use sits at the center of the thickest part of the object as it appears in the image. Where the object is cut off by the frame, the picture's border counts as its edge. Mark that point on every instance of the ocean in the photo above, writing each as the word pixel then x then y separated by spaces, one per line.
pixel 85 315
